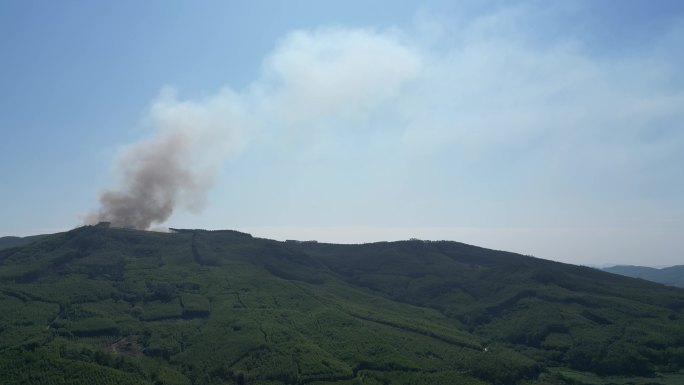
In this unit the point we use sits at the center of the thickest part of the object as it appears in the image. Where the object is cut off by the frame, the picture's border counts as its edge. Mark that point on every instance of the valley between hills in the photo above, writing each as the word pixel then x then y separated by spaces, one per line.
pixel 114 306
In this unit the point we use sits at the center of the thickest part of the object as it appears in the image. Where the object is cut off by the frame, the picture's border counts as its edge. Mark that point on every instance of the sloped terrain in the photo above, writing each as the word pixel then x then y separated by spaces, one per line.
pixel 222 307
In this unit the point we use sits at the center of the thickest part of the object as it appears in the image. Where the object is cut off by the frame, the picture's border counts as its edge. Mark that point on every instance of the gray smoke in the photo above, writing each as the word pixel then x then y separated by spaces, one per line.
pixel 176 165
pixel 322 78
pixel 157 174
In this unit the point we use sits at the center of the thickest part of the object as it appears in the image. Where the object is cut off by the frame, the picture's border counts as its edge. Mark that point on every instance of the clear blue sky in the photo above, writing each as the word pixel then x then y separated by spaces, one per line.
pixel 547 128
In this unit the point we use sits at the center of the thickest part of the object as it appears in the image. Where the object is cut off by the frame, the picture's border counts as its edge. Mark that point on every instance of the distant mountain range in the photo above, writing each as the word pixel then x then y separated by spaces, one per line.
pixel 672 276
pixel 195 307
pixel 7 242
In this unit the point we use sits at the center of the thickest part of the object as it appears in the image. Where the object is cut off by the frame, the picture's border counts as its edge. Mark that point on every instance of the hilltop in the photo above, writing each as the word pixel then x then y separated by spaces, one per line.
pixel 222 307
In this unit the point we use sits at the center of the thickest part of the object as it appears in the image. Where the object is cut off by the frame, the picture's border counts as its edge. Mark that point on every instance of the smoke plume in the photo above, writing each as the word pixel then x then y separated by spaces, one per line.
pixel 176 165
pixel 311 79
pixel 463 104
pixel 156 175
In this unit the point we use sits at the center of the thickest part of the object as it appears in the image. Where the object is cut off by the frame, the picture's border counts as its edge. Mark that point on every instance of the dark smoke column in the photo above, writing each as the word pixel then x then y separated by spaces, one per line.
pixel 175 167
pixel 157 174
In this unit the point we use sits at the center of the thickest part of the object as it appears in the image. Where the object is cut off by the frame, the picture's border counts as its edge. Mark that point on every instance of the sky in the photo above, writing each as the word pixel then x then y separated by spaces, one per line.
pixel 552 129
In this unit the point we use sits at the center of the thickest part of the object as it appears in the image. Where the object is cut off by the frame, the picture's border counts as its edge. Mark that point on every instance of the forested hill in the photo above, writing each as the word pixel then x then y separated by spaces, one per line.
pixel 115 306
pixel 673 275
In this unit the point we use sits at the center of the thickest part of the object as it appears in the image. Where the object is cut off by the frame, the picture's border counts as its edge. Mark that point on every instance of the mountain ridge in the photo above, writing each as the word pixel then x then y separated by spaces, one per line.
pixel 671 276
pixel 12 241
pixel 205 307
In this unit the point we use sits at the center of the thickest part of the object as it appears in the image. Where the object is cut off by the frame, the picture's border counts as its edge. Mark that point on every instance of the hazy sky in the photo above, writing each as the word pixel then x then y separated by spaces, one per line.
pixel 547 128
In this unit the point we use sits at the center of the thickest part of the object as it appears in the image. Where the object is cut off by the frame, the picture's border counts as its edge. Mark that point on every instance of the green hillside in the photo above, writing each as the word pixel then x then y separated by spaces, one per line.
pixel 117 306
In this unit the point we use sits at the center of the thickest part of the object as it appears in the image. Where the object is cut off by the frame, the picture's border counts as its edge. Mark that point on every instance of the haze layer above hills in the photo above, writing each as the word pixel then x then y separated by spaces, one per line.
pixel 221 307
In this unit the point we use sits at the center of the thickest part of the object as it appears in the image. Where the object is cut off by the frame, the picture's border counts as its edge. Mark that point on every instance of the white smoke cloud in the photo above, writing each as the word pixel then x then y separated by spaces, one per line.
pixel 336 73
pixel 462 96
pixel 312 77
